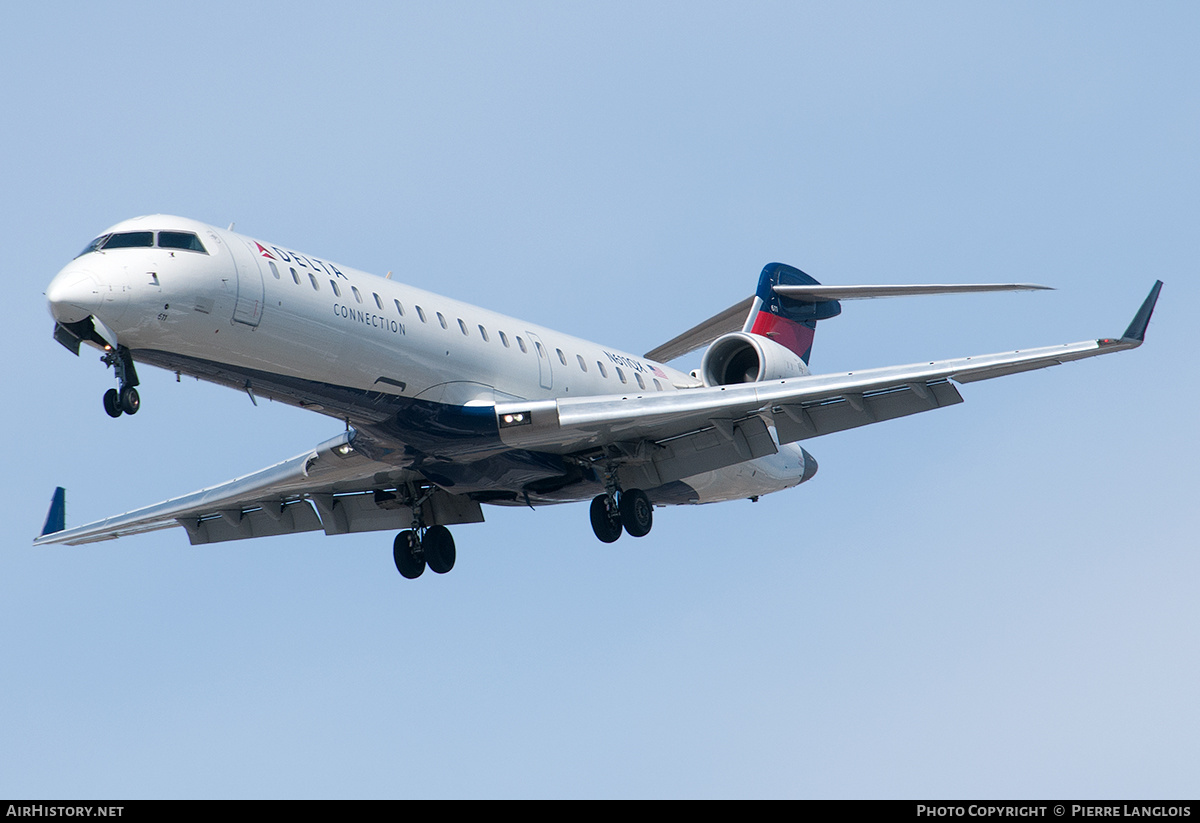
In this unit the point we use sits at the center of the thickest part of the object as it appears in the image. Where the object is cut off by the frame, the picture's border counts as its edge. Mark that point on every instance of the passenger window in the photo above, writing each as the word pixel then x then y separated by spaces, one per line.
pixel 541 352
pixel 399 308
pixel 621 375
pixel 521 343
pixel 603 371
pixel 483 333
pixel 562 358
pixel 378 302
pixel 657 385
pixel 357 296
pixel 274 270
pixel 312 279
pixel 641 383
pixel 295 276
pixel 462 326
pixel 582 364
pixel 442 320
pixel 180 240
pixel 336 291
pixel 504 339
pixel 421 313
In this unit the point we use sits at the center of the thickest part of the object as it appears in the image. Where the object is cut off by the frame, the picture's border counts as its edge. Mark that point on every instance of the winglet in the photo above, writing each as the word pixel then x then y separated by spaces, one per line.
pixel 56 518
pixel 1137 329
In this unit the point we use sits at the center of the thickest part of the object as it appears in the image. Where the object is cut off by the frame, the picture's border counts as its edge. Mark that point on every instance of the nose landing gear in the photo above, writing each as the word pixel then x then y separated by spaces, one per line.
pixel 124 400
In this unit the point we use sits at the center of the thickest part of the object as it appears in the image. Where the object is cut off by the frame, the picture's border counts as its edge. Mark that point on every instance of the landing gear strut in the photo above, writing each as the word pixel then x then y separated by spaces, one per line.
pixel 124 400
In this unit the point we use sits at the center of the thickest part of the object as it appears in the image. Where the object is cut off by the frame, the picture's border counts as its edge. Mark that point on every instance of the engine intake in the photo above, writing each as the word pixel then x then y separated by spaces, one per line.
pixel 748 358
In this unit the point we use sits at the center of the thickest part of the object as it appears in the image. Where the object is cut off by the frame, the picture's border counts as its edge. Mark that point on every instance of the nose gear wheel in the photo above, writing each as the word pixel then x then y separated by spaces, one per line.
pixel 112 403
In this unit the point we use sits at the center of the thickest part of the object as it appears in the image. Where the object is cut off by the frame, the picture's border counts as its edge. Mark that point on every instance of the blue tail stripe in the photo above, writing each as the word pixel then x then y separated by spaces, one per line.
pixel 781 274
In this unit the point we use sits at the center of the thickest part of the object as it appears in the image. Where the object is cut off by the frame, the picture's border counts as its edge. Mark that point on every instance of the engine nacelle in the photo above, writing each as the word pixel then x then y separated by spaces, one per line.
pixel 748 358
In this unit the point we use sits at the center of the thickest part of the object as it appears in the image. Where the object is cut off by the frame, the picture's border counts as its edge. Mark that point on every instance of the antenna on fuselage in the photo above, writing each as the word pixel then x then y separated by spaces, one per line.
pixel 389 276
pixel 230 227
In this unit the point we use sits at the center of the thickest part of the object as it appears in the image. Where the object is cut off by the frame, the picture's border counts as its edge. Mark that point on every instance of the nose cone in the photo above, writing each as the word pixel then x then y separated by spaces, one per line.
pixel 73 295
pixel 810 466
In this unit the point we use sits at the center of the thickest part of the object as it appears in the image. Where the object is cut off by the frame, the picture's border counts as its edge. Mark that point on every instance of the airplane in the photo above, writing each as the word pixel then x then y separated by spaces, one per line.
pixel 448 406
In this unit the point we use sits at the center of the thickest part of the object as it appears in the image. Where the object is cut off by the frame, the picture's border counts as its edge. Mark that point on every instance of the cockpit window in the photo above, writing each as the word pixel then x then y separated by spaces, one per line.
pixel 129 240
pixel 92 246
pixel 185 240
pixel 180 240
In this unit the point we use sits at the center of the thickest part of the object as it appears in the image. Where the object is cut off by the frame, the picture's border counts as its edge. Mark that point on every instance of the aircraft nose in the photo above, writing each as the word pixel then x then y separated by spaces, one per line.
pixel 73 295
pixel 810 466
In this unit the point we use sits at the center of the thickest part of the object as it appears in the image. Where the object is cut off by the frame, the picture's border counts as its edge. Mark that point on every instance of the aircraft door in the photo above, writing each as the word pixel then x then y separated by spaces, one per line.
pixel 250 289
pixel 545 376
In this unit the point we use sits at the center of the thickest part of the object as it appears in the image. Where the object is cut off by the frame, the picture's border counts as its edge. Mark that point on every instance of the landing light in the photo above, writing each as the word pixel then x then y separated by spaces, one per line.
pixel 344 450
pixel 515 419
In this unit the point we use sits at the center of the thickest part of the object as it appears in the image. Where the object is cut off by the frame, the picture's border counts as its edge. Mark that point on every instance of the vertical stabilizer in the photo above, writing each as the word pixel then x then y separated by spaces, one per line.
pixel 789 322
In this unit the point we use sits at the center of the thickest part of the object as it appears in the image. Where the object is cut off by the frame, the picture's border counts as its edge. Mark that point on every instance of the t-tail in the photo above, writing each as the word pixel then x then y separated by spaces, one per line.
pixel 789 321
pixel 788 303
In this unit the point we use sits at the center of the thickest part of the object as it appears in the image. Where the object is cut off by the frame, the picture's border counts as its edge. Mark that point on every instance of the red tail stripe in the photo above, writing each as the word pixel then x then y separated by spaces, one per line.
pixel 788 333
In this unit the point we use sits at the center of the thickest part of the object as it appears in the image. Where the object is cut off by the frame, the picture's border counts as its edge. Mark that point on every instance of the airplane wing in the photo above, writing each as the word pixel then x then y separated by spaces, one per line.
pixel 663 437
pixel 331 487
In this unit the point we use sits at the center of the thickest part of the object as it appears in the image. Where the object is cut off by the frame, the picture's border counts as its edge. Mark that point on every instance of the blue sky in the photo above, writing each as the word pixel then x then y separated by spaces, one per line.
pixel 996 599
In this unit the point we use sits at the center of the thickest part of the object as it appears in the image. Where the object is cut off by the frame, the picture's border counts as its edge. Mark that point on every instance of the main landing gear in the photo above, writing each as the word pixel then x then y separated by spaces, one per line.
pixel 421 546
pixel 629 510
pixel 414 549
pixel 124 400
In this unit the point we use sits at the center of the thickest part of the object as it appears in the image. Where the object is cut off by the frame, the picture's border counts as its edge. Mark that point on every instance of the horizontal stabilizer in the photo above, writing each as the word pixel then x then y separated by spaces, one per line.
pixel 56 518
pixel 819 293
pixel 730 320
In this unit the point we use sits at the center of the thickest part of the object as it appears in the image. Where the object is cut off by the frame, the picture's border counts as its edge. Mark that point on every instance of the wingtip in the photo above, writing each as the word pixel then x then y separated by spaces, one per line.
pixel 56 518
pixel 1137 328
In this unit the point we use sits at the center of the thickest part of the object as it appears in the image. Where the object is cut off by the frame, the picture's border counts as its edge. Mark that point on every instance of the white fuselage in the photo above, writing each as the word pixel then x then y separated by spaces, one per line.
pixel 307 331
